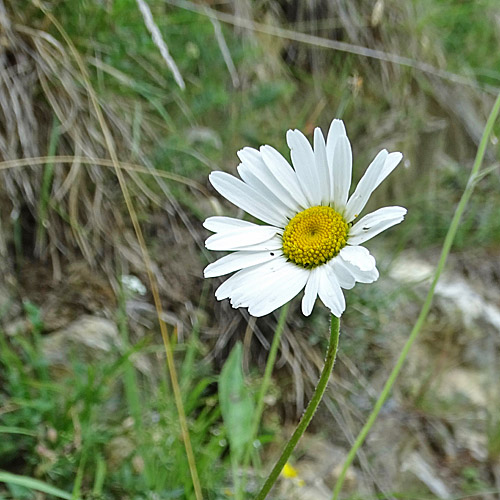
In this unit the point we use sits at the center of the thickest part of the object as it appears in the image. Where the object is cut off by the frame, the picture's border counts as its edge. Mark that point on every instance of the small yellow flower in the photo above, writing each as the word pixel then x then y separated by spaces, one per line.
pixel 289 472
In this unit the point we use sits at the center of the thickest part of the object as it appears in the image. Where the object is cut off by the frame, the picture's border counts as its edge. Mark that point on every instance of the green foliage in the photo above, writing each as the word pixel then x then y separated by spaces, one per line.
pixel 237 408
pixel 429 214
pixel 236 404
pixel 60 431
pixel 34 316
pixel 472 482
pixel 469 34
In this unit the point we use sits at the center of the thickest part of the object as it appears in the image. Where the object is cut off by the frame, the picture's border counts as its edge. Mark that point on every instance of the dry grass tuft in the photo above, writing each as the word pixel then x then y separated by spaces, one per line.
pixel 66 210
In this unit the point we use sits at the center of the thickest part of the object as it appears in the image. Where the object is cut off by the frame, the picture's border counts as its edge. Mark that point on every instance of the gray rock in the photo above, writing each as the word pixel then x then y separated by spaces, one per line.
pixel 463 384
pixel 17 327
pixel 87 339
pixel 426 473
pixel 458 303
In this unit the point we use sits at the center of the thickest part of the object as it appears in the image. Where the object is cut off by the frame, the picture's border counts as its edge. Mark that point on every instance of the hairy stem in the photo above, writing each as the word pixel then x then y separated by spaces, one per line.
pixel 310 410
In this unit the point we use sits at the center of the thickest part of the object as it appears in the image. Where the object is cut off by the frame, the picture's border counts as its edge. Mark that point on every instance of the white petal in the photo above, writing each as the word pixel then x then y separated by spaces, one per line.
pixel 329 291
pixel 248 199
pixel 359 257
pixel 344 276
pixel 365 187
pixel 248 278
pixel 336 130
pixel 252 179
pixel 303 161
pixel 342 172
pixel 374 223
pixel 274 243
pixel 218 223
pixel 236 261
pixel 239 237
pixel 255 172
pixel 311 291
pixel 322 166
pixel 390 164
pixel 362 276
pixel 284 173
pixel 376 172
pixel 264 288
pixel 280 291
pixel 254 285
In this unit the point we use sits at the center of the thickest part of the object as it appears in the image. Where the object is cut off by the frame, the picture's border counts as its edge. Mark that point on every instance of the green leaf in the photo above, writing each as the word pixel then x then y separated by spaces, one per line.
pixel 16 430
pixel 236 403
pixel 33 484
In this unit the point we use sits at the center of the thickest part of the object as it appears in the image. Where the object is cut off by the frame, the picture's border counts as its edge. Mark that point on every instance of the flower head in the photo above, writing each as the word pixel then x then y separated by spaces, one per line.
pixel 312 237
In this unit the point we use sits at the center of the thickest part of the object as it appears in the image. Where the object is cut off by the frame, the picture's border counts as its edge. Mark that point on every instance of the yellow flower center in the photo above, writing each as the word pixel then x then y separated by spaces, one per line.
pixel 314 236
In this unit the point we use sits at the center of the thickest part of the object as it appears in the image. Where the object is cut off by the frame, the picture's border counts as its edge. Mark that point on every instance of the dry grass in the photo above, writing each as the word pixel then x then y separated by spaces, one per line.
pixel 69 209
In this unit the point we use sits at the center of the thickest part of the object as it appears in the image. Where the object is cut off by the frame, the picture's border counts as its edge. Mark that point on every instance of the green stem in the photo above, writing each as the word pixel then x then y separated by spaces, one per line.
pixel 450 236
pixel 310 410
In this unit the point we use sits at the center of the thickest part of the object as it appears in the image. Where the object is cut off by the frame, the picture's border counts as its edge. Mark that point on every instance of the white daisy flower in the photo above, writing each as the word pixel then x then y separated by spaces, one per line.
pixel 312 238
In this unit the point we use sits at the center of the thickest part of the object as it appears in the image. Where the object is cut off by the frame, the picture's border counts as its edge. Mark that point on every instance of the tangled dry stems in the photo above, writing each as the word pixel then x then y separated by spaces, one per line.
pixel 42 96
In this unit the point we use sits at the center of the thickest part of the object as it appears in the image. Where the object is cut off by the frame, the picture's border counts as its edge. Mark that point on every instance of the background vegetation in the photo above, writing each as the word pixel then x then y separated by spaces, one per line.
pixel 86 405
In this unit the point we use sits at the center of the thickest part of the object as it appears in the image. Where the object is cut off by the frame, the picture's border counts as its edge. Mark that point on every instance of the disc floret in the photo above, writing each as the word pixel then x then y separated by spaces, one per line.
pixel 314 236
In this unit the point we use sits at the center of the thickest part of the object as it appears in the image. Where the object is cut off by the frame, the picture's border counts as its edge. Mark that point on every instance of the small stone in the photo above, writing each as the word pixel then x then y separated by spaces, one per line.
pixel 18 327
pixel 10 307
pixel 118 450
pixel 350 480
pixel 465 384
pixel 52 434
pixel 138 464
pixel 86 339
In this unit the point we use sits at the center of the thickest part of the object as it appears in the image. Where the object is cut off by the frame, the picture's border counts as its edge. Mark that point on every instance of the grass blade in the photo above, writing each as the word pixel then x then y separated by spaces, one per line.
pixel 35 484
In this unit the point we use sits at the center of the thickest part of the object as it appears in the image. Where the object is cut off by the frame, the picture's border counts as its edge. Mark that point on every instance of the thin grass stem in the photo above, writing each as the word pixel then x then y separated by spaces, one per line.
pixel 104 162
pixel 144 250
pixel 48 174
pixel 100 475
pixel 132 390
pixel 310 410
pixel 77 487
pixel 450 236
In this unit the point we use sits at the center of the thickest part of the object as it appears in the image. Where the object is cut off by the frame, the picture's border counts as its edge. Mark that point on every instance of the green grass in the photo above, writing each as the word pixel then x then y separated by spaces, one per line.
pixel 468 30
pixel 58 434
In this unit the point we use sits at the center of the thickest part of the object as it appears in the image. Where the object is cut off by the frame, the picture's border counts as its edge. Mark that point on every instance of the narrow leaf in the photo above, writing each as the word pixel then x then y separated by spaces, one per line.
pixel 33 484
pixel 236 403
